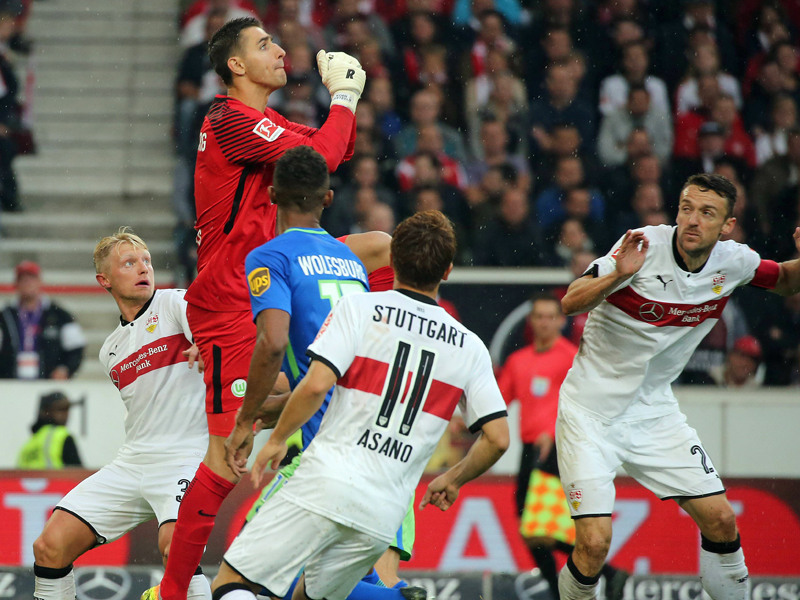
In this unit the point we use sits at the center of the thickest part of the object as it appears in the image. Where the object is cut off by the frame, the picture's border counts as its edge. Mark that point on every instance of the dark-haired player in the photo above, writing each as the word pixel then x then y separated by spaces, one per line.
pixel 295 280
pixel 240 140
pixel 351 490
pixel 653 298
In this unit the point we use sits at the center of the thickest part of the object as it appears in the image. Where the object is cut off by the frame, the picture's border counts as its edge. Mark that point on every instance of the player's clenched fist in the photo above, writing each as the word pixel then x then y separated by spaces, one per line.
pixel 343 76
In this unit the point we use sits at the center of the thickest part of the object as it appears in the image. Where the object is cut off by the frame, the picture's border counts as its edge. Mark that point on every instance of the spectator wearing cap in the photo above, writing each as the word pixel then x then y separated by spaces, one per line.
pixel 51 446
pixel 710 147
pixel 38 338
pixel 715 142
pixel 742 367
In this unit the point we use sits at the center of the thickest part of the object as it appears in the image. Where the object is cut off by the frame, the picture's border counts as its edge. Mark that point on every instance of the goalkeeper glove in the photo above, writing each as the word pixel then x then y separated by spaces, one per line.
pixel 343 76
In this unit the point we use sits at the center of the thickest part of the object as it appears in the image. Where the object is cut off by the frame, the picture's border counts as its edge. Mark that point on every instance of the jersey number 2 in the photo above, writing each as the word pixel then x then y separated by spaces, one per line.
pixel 397 376
pixel 696 449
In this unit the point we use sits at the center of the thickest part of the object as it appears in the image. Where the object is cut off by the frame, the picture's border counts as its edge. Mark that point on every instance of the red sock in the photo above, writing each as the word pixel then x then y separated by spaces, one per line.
pixel 204 496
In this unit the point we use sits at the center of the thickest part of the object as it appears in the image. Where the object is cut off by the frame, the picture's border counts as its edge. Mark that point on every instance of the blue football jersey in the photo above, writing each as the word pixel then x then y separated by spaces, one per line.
pixel 303 272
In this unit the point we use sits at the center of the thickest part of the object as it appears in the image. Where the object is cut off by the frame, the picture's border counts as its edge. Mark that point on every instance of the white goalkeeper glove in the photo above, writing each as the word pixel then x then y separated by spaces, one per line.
pixel 343 76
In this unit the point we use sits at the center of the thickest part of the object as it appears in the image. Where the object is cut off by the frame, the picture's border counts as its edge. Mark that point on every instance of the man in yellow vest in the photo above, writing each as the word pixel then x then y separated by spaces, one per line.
pixel 51 446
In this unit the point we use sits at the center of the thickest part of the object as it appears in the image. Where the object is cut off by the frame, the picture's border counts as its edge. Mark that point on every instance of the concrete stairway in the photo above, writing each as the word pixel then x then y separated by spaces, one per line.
pixel 102 112
pixel 103 99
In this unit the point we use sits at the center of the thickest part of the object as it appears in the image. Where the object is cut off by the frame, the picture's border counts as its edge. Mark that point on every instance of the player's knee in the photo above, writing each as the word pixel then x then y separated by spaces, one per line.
pixel 165 554
pixel 721 526
pixel 595 545
pixel 47 552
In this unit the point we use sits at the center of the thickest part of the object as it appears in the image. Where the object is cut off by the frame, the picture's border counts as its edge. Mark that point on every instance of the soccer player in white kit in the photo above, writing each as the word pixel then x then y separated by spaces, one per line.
pixel 166 434
pixel 653 298
pixel 401 365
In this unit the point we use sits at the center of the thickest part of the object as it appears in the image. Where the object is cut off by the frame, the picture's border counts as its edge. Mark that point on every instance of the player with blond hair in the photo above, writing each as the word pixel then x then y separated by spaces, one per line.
pixel 165 427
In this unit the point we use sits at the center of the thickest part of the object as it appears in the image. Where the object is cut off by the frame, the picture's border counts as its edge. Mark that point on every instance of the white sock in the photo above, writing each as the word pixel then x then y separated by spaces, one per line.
pixel 53 584
pixel 724 575
pixel 199 588
pixel 569 588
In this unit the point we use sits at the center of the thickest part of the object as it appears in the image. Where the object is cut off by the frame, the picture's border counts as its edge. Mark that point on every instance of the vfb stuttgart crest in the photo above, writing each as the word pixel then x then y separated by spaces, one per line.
pixel 152 323
pixel 575 498
pixel 717 283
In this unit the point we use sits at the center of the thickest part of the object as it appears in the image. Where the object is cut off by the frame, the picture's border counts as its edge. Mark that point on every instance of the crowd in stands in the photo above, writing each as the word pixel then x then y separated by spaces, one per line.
pixel 543 128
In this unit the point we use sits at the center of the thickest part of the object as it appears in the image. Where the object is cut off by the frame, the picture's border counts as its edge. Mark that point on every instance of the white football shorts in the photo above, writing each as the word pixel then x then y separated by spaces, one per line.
pixel 122 495
pixel 664 454
pixel 283 539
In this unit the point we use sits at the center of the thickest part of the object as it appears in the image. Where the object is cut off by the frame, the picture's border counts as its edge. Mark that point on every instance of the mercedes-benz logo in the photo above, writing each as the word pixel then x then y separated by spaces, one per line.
pixel 102 584
pixel 651 311
pixel 115 378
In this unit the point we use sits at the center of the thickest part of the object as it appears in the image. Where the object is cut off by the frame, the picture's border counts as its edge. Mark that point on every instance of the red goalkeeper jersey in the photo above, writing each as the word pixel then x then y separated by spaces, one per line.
pixel 236 157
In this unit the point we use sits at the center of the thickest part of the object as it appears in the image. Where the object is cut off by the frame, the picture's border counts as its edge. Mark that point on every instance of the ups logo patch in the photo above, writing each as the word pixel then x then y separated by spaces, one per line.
pixel 258 280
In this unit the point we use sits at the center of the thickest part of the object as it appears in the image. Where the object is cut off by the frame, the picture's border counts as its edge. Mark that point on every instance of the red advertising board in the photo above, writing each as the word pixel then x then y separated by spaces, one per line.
pixel 478 534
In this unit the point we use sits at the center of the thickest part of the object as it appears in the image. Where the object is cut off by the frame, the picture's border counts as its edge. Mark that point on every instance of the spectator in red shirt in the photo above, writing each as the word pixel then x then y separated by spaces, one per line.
pixel 240 142
pixel 429 141
pixel 737 141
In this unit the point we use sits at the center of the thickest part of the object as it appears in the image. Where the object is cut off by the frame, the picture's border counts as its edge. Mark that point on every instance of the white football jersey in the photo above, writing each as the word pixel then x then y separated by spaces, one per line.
pixel 403 365
pixel 164 399
pixel 639 339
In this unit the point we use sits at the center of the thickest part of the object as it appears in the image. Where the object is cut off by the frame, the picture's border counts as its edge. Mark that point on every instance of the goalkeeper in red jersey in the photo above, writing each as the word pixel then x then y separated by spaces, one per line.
pixel 240 141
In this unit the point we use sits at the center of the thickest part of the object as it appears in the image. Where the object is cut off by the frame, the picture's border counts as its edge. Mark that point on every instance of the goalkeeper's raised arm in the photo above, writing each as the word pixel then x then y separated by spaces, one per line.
pixel 343 76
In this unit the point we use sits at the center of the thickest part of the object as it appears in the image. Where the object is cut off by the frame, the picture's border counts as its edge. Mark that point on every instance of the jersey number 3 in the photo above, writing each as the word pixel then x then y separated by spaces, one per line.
pixel 419 387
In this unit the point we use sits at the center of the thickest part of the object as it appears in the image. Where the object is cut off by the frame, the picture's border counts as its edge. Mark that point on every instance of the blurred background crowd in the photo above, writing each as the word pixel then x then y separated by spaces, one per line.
pixel 543 128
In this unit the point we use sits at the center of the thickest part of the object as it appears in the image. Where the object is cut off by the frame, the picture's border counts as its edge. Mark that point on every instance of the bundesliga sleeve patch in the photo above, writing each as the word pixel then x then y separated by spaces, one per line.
pixel 259 281
pixel 267 130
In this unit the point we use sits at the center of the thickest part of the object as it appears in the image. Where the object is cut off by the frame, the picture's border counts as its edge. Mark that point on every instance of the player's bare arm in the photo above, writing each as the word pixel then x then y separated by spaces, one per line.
pixel 306 399
pixel 789 276
pixel 585 293
pixel 372 247
pixel 442 492
pixel 272 337
pixel 271 409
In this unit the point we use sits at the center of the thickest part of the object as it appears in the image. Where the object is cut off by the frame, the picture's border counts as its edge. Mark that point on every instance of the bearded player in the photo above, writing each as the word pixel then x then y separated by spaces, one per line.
pixel 653 298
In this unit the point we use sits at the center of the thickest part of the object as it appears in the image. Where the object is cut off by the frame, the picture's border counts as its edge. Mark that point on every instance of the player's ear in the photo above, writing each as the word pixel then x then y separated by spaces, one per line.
pixel 728 226
pixel 447 272
pixel 327 200
pixel 103 281
pixel 271 192
pixel 236 66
